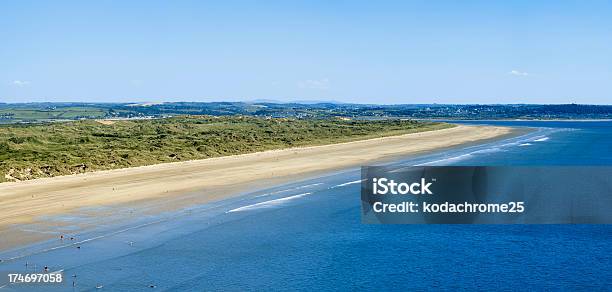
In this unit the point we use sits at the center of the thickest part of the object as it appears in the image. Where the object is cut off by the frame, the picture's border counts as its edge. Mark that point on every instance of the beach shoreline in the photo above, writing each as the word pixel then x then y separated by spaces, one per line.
pixel 212 179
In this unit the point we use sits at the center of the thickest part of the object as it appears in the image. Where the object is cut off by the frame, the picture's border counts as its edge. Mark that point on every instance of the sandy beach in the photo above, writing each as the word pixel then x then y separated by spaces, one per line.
pixel 215 178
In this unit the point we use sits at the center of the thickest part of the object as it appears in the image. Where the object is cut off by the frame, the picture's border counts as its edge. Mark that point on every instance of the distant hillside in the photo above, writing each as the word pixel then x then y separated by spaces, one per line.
pixel 40 112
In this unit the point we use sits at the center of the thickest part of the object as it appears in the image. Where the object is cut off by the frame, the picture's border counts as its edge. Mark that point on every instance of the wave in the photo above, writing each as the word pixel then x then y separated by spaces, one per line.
pixel 289 190
pixel 347 183
pixel 454 158
pixel 525 144
pixel 267 204
pixel 541 139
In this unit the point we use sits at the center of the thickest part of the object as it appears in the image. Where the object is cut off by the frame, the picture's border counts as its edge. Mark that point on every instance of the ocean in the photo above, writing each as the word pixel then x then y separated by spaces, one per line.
pixel 308 235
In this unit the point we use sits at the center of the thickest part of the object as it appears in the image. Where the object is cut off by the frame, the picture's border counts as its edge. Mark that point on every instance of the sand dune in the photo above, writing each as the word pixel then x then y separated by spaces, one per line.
pixel 22 202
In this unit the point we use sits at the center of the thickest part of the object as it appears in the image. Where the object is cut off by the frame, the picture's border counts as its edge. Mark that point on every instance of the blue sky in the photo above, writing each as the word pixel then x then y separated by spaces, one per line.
pixel 349 51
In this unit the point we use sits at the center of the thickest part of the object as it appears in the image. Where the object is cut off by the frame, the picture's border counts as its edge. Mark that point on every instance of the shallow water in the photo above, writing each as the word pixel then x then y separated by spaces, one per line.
pixel 308 235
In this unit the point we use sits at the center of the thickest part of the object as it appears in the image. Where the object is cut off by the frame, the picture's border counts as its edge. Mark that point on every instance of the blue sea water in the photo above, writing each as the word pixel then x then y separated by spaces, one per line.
pixel 308 235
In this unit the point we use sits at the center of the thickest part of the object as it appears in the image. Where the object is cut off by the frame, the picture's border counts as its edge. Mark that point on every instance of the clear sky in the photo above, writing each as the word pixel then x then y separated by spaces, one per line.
pixel 349 51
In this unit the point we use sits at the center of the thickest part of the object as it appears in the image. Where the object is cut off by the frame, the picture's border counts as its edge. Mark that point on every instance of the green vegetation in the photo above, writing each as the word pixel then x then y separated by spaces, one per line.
pixel 33 114
pixel 30 151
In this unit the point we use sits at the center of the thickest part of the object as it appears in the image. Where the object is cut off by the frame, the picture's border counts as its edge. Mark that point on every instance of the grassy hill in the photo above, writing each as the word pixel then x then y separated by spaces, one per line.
pixel 29 151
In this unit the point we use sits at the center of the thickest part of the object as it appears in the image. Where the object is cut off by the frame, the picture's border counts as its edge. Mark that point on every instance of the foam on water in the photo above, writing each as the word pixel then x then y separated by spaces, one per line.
pixel 347 183
pixel 268 204
pixel 454 158
pixel 289 190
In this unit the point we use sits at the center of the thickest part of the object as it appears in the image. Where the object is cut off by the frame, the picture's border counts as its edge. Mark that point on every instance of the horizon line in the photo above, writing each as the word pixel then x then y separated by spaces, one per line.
pixel 290 102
